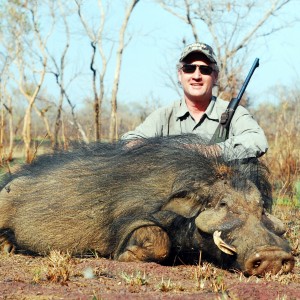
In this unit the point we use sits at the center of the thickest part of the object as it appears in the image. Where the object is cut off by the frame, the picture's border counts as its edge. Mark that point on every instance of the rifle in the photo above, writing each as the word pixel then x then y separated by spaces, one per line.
pixel 222 131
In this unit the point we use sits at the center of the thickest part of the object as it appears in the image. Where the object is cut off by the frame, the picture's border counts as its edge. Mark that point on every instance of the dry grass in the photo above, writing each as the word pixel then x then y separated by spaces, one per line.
pixel 166 286
pixel 209 278
pixel 58 268
pixel 281 125
pixel 283 160
pixel 135 279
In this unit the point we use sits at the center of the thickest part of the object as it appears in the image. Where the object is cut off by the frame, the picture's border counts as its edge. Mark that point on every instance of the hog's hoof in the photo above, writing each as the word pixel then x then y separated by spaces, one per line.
pixel 6 246
pixel 149 243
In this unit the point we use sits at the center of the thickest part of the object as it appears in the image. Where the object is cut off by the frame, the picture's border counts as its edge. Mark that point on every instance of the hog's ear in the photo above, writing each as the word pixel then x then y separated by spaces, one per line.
pixel 184 204
pixel 274 224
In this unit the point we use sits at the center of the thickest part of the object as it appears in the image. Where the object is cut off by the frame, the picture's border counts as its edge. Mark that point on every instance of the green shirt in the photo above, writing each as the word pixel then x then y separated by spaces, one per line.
pixel 246 137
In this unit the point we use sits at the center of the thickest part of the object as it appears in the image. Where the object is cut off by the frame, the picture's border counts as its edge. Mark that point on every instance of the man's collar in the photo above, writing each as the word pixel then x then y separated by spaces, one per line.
pixel 182 110
pixel 210 111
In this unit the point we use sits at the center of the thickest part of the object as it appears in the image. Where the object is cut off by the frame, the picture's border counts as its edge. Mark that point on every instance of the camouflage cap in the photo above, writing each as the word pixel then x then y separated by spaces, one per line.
pixel 202 48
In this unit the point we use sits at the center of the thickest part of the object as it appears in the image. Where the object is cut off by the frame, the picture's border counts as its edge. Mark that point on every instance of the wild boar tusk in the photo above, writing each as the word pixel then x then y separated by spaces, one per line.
pixel 222 245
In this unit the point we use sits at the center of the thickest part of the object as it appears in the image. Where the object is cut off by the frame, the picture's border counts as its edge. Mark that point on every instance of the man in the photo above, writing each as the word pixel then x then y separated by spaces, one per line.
pixel 199 112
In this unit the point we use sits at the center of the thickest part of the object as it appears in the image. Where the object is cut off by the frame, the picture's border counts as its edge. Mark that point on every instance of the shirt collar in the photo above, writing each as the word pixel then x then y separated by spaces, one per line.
pixel 210 111
pixel 182 109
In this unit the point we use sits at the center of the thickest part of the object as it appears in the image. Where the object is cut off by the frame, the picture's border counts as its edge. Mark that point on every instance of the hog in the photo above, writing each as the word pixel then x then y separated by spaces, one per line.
pixel 162 198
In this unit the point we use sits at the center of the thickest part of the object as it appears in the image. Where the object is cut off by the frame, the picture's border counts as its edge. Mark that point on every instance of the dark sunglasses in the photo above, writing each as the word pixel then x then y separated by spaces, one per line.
pixel 204 70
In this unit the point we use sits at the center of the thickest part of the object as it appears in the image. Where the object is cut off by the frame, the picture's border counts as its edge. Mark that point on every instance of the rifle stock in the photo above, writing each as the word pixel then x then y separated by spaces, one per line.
pixel 221 134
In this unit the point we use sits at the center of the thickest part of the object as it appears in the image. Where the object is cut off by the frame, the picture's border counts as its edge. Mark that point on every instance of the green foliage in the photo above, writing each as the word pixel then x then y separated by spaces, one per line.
pixel 286 202
pixel 297 187
pixel 292 201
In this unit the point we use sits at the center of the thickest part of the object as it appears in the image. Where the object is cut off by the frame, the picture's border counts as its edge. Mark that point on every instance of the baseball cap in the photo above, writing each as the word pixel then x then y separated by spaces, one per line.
pixel 202 48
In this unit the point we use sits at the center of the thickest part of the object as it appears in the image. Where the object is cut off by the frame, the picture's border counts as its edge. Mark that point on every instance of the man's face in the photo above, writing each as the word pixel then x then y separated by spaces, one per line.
pixel 196 86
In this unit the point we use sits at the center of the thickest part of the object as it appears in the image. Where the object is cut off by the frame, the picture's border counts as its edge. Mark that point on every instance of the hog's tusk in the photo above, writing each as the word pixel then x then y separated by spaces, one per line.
pixel 222 245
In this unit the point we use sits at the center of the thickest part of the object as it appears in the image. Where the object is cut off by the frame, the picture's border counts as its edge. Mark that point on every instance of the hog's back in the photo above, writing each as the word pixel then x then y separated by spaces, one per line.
pixel 86 202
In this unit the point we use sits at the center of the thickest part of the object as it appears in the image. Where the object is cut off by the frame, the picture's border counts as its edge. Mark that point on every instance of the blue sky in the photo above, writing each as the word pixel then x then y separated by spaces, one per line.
pixel 156 46
pixel 160 48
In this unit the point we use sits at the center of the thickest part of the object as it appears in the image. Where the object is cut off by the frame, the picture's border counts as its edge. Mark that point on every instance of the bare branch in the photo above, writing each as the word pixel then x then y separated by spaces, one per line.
pixel 189 20
pixel 96 40
pixel 233 29
pixel 113 121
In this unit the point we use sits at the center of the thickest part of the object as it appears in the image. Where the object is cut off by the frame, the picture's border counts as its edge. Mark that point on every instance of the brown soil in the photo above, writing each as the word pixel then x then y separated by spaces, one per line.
pixel 62 277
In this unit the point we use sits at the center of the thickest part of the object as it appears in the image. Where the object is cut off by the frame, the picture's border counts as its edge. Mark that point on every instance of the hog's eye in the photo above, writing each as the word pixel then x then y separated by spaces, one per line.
pixel 222 203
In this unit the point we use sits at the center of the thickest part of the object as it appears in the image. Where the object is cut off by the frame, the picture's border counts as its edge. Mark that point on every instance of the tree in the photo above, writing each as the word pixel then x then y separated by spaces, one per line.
pixel 96 41
pixel 23 31
pixel 7 105
pixel 113 116
pixel 14 24
pixel 38 75
pixel 235 28
pixel 103 45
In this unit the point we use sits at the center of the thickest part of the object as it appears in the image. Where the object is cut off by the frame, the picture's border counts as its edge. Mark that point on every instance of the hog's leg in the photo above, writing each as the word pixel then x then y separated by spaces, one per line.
pixel 149 243
pixel 6 246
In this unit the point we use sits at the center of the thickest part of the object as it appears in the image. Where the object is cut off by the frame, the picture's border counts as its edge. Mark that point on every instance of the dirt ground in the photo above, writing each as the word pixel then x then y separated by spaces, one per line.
pixel 62 277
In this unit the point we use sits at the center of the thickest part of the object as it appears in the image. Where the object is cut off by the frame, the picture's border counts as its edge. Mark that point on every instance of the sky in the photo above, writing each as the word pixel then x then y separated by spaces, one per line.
pixel 155 48
pixel 159 48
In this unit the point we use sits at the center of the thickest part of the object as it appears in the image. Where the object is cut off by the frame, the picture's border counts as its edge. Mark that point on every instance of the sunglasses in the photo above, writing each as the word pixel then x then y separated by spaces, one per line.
pixel 204 70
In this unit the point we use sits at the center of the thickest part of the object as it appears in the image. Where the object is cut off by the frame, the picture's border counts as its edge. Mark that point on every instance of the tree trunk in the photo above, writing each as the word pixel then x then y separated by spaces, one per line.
pixel 113 134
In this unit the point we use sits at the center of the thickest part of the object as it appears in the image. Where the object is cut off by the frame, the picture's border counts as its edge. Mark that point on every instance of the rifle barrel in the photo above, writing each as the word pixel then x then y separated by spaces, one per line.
pixel 254 66
pixel 222 131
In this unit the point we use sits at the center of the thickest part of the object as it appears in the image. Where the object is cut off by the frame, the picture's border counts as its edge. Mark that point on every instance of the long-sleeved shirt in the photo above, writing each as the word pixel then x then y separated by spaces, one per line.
pixel 246 137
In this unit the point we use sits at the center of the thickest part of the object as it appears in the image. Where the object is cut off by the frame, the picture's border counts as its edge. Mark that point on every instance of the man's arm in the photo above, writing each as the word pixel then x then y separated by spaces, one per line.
pixel 153 126
pixel 246 137
pixel 149 128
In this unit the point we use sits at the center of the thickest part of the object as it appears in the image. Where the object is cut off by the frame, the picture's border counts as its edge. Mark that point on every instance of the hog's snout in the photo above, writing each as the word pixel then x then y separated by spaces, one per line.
pixel 270 260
